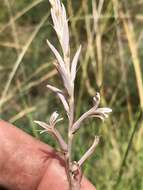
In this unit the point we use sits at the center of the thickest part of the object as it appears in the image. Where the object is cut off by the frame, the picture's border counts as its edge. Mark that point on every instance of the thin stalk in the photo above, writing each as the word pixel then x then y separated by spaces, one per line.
pixel 70 140
pixel 130 33
pixel 20 58
pixel 123 164
pixel 71 120
pixel 21 13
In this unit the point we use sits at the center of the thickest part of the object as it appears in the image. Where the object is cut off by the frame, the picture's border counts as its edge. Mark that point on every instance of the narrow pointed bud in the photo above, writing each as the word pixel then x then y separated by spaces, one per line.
pixel 74 64
pixel 61 96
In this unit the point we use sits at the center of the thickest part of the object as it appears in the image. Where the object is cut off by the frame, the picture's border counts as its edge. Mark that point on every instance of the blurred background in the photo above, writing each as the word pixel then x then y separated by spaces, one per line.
pixel 111 34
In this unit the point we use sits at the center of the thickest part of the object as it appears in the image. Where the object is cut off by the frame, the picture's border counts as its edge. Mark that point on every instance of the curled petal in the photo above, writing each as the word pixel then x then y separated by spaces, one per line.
pixel 58 120
pixel 96 100
pixel 106 115
pixel 43 125
pixel 104 110
pixel 43 131
pixel 53 118
pixel 98 116
pixel 101 113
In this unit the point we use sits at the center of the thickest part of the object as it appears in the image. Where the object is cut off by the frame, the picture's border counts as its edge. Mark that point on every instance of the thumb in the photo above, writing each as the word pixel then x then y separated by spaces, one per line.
pixel 28 164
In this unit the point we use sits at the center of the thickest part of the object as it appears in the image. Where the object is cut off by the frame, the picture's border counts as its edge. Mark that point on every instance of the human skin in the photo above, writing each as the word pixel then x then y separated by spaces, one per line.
pixel 28 164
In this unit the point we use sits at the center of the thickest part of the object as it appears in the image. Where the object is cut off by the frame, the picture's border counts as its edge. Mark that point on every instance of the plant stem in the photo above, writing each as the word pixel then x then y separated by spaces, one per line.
pixel 73 183
pixel 70 139
pixel 71 120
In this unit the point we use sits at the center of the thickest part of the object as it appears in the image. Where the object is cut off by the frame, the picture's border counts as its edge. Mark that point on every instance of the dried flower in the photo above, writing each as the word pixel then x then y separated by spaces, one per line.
pixel 50 128
pixel 67 71
pixel 101 113
pixel 60 22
